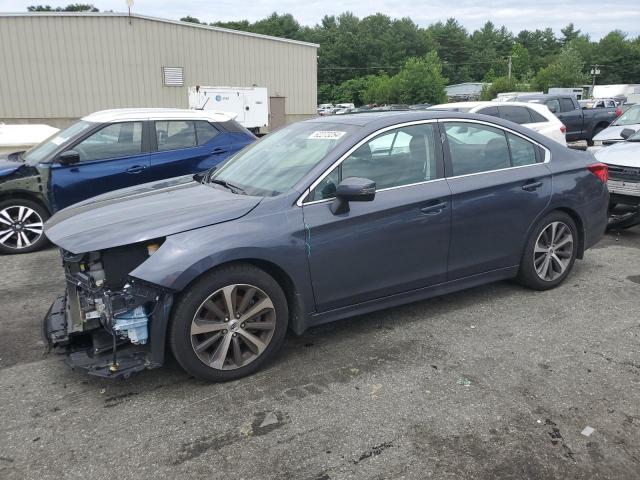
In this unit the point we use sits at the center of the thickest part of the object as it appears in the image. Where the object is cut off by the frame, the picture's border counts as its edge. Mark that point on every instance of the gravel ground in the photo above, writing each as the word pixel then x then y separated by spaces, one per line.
pixel 493 382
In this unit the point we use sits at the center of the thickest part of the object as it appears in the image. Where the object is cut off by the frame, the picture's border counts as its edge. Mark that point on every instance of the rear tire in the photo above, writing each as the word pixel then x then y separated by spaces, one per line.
pixel 229 323
pixel 550 252
pixel 22 226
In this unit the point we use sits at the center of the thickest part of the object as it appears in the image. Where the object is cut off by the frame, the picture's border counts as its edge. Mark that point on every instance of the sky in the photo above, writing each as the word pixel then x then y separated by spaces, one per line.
pixel 595 17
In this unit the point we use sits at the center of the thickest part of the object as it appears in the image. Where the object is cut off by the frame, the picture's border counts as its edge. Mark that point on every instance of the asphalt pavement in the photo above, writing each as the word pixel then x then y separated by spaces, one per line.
pixel 493 382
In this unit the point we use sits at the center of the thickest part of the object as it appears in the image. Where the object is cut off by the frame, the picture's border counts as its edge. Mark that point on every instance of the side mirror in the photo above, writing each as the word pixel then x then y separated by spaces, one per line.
pixel 627 132
pixel 69 157
pixel 352 189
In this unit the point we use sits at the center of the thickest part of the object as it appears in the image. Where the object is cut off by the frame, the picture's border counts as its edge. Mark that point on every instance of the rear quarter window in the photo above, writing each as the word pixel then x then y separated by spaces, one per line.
pixel 536 117
pixel 519 115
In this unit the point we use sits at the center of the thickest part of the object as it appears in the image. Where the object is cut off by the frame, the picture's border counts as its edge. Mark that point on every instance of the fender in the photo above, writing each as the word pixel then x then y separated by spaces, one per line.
pixel 184 257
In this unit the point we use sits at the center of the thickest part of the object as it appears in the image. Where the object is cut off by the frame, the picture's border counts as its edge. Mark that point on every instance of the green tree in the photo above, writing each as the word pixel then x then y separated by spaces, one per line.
pixel 502 84
pixel 380 90
pixel 569 33
pixel 566 71
pixel 620 58
pixel 453 46
pixel 190 19
pixel 520 62
pixel 73 7
pixel 421 81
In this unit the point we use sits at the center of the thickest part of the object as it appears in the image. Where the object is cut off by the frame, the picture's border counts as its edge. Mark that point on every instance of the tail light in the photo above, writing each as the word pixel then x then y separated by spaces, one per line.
pixel 563 129
pixel 600 170
pixel 618 111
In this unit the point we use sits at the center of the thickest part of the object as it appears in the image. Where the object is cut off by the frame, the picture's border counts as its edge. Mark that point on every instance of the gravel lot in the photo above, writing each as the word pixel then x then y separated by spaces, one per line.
pixel 471 385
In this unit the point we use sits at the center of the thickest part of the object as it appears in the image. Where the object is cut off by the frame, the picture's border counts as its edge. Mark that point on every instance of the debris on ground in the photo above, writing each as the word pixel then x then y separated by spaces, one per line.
pixel 464 382
pixel 587 431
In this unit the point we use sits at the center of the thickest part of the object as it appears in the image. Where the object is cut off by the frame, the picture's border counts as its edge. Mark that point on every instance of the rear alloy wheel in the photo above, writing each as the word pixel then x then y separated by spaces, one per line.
pixel 22 226
pixel 553 251
pixel 229 323
pixel 550 252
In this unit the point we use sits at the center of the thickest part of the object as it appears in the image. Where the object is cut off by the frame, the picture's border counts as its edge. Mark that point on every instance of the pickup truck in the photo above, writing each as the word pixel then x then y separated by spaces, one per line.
pixel 582 124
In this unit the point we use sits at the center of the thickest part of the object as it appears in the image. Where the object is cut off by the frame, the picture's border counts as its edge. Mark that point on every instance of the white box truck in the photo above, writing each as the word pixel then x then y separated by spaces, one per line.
pixel 251 104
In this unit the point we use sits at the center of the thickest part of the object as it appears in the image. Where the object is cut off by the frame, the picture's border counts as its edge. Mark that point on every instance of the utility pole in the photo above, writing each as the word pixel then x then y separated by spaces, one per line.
pixel 509 68
pixel 594 71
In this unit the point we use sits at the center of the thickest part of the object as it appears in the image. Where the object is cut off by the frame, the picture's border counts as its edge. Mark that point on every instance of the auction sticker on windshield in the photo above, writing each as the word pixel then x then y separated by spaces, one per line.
pixel 327 135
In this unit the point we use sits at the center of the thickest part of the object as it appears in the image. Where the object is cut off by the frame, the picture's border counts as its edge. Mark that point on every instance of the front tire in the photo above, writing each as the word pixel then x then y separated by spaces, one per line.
pixel 550 252
pixel 22 226
pixel 229 323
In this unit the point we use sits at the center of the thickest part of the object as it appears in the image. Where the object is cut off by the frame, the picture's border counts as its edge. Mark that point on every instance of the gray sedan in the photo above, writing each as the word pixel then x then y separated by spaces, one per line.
pixel 322 220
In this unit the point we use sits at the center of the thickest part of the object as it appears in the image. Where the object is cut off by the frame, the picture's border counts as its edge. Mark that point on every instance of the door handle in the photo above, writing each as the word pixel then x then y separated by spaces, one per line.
pixel 218 151
pixel 530 186
pixel 136 169
pixel 434 209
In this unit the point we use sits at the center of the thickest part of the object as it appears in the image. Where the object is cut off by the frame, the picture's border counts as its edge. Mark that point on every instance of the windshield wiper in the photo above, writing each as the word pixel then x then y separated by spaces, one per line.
pixel 229 186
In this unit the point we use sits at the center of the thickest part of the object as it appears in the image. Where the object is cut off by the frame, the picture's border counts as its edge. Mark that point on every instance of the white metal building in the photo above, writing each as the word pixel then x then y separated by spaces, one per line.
pixel 58 67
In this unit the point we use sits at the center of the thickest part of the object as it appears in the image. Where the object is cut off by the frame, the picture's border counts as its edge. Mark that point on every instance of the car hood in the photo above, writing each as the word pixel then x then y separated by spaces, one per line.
pixel 8 166
pixel 613 132
pixel 144 212
pixel 624 154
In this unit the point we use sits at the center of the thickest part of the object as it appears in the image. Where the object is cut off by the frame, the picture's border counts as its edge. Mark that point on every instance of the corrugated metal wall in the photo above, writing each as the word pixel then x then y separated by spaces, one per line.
pixel 61 67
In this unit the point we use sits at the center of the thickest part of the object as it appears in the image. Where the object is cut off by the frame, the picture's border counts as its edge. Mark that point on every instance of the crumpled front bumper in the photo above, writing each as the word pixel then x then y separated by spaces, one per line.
pixel 94 351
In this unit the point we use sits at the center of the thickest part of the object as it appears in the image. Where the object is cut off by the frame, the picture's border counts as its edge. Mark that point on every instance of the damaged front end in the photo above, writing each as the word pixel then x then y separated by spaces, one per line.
pixel 109 323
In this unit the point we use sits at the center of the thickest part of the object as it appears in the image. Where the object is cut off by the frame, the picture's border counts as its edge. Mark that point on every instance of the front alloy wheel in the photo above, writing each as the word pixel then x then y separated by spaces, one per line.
pixel 228 323
pixel 21 227
pixel 553 251
pixel 233 327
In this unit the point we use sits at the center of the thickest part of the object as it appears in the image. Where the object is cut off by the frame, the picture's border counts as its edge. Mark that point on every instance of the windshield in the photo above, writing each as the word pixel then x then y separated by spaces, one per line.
pixel 635 137
pixel 629 117
pixel 278 161
pixel 42 151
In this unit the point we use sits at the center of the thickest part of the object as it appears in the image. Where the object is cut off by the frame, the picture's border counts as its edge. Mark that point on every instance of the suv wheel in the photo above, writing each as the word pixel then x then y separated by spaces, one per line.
pixel 550 252
pixel 229 323
pixel 22 226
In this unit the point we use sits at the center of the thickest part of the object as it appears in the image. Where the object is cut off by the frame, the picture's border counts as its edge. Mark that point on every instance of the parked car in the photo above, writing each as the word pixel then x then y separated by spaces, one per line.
pixel 22 137
pixel 532 115
pixel 603 103
pixel 325 109
pixel 106 151
pixel 623 160
pixel 582 124
pixel 321 220
pixel 630 119
pixel 420 106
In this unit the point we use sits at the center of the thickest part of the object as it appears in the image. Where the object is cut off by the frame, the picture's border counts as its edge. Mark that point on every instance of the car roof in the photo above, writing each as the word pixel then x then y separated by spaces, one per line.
pixel 462 105
pixel 128 114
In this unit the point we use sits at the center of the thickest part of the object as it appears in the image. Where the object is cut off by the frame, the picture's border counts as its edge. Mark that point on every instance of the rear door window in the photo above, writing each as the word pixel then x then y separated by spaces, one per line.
pixel 205 132
pixel 476 148
pixel 491 111
pixel 519 115
pixel 523 152
pixel 175 134
pixel 536 117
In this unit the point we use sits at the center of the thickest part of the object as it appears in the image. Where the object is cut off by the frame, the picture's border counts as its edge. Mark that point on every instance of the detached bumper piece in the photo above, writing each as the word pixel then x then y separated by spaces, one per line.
pixel 116 344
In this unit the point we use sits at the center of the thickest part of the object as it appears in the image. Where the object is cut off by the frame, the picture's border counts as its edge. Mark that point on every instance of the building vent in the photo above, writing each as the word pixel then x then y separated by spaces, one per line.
pixel 172 76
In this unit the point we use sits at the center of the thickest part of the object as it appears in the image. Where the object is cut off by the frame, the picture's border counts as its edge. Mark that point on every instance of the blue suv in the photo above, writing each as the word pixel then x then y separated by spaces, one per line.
pixel 105 151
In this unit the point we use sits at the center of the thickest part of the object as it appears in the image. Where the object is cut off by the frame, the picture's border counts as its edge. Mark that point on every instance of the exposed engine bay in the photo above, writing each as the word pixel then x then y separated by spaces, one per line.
pixel 109 323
